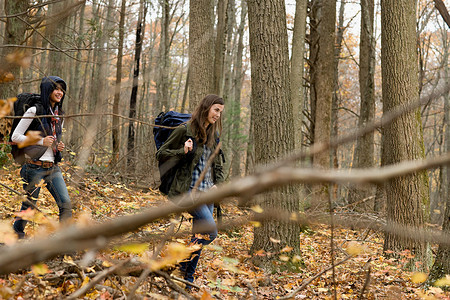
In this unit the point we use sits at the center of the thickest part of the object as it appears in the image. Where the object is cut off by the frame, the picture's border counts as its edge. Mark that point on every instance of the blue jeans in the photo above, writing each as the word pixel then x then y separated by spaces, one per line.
pixel 32 175
pixel 203 222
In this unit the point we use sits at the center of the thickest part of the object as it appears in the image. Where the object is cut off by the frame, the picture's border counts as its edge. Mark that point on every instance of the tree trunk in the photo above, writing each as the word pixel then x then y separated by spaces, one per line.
pixel 14 35
pixel 229 137
pixel 364 152
pixel 323 90
pixel 164 59
pixel 57 21
pixel 201 50
pixel 270 103
pixel 406 196
pixel 133 99
pixel 237 84
pixel 219 48
pixel 116 122
pixel 75 80
pixel 297 70
pixel 336 102
pixel 441 266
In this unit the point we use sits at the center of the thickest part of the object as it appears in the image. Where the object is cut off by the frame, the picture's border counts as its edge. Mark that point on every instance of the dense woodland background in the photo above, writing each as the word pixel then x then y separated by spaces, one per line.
pixel 313 89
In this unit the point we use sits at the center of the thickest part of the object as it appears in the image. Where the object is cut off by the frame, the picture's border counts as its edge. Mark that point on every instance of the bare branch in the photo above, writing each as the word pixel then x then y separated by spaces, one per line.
pixel 440 6
pixel 73 239
pixel 85 288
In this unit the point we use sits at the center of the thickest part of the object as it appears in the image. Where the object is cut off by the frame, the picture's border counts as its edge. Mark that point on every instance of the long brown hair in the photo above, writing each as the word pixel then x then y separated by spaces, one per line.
pixel 200 116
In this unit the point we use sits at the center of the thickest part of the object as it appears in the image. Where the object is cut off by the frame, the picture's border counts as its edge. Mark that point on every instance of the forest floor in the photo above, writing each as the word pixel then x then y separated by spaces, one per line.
pixel 225 270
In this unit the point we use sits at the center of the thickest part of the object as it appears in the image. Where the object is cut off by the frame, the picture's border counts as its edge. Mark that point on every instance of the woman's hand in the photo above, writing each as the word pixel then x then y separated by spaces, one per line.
pixel 188 146
pixel 48 141
pixel 61 146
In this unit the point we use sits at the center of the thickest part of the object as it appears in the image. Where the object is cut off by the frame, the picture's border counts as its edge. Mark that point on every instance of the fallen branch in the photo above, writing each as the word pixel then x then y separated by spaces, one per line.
pixel 173 285
pixel 85 288
pixel 366 281
pixel 306 283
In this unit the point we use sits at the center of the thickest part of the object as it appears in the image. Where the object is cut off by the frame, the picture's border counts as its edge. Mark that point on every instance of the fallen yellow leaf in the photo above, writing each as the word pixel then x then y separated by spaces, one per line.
pixel 39 269
pixel 418 277
pixel 257 209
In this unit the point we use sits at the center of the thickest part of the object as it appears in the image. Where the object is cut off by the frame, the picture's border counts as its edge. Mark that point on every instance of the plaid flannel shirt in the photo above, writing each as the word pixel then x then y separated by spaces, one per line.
pixel 207 182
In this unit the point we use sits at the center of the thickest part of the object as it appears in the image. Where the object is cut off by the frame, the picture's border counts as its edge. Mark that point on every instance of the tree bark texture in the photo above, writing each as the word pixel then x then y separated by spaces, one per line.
pixel 325 13
pixel 201 50
pixel 133 99
pixel 407 196
pixel 56 27
pixel 365 146
pixel 15 30
pixel 115 121
pixel 219 48
pixel 297 70
pixel 164 59
pixel 272 115
pixel 237 88
pixel 441 265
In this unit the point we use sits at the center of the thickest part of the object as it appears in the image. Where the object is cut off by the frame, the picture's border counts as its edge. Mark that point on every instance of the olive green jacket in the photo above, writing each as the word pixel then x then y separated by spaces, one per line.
pixel 173 150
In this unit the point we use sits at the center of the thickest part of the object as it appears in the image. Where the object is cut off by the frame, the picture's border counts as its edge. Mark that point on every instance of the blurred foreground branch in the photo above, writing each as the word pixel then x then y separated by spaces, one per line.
pixel 74 238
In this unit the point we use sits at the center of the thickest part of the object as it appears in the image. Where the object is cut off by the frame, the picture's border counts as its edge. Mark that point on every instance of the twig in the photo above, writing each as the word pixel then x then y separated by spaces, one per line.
pixel 367 281
pixel 333 270
pixel 147 271
pixel 27 201
pixel 19 285
pixel 184 281
pixel 84 289
pixel 11 189
pixel 173 285
pixel 306 283
pixel 141 278
pixel 251 288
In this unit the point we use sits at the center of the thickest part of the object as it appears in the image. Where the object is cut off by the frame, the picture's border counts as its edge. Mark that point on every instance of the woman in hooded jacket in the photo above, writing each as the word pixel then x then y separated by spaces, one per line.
pixel 191 146
pixel 42 158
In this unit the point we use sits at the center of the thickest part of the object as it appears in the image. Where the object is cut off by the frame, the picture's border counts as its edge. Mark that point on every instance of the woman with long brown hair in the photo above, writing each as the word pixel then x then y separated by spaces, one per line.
pixel 191 146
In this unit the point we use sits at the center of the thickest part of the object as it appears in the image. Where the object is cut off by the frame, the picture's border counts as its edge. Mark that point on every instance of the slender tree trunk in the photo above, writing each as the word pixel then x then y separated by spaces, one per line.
pixel 271 99
pixel 185 91
pixel 133 99
pixel 237 84
pixel 230 105
pixel 219 48
pixel 201 50
pixel 116 122
pixel 406 196
pixel 57 21
pixel 164 59
pixel 323 90
pixel 297 70
pixel 336 102
pixel 365 146
pixel 441 266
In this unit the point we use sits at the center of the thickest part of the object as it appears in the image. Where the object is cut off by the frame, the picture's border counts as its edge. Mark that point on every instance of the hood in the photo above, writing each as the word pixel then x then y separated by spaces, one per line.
pixel 48 85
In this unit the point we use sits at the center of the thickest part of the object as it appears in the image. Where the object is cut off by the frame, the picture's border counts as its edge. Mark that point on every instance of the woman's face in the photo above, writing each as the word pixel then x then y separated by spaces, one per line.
pixel 56 95
pixel 214 114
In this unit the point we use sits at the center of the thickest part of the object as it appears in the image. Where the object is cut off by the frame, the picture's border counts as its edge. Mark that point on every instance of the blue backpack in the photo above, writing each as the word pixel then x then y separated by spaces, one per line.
pixel 167 169
pixel 169 119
